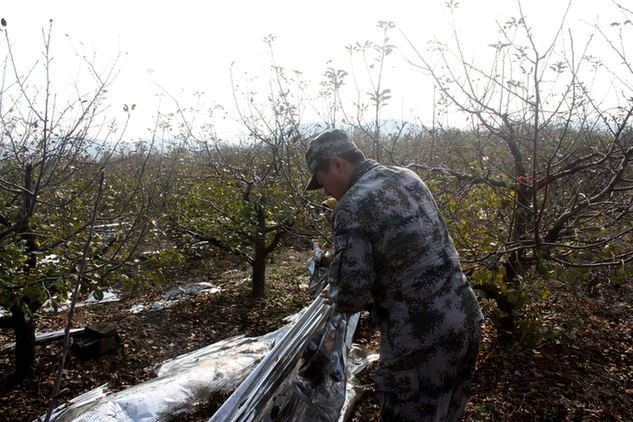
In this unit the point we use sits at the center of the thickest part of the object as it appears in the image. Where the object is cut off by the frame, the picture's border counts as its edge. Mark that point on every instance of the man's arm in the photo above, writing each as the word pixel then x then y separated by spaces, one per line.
pixel 352 270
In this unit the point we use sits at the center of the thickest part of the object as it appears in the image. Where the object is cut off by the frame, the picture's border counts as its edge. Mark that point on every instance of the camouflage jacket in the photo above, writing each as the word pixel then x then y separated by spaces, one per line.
pixel 392 246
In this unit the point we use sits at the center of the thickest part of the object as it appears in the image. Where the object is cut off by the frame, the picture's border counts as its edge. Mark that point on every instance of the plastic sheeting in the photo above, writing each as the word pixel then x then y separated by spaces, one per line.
pixel 4 312
pixel 182 383
pixel 171 297
pixel 78 403
pixel 318 267
pixel 192 378
pixel 311 403
pixel 317 392
pixel 108 296
pixel 251 398
pixel 47 336
pixel 299 372
pixel 304 376
pixel 358 359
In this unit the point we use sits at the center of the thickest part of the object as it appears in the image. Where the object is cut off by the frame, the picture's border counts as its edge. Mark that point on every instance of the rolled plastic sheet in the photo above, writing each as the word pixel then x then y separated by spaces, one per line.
pixel 318 269
pixel 304 377
pixel 182 383
pixel 289 406
pixel 79 402
pixel 317 391
pixel 250 400
pixel 322 385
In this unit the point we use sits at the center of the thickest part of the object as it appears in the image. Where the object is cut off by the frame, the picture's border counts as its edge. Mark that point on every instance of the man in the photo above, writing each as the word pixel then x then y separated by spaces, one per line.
pixel 392 247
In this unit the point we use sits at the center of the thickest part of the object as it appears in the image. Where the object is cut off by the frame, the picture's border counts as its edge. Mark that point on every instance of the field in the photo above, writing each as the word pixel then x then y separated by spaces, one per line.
pixel 584 373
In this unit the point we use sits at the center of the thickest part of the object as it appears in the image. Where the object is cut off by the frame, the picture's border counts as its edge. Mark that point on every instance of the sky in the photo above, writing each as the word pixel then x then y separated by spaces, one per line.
pixel 179 48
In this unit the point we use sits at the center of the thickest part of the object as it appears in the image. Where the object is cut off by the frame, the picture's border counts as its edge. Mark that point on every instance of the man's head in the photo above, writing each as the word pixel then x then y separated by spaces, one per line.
pixel 332 159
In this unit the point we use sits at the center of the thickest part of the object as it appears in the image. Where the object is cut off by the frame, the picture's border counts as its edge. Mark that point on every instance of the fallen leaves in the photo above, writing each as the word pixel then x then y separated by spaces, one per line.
pixel 587 377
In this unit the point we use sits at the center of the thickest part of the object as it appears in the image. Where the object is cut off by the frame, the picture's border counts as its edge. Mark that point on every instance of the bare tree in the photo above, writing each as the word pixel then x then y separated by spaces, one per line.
pixel 52 154
pixel 246 195
pixel 558 160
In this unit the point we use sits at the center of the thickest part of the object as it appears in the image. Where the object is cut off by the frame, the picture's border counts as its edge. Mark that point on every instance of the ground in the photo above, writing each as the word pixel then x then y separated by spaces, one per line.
pixel 581 370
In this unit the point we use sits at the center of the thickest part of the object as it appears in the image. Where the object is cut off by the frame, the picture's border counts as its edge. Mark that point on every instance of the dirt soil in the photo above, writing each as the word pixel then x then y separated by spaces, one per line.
pixel 582 370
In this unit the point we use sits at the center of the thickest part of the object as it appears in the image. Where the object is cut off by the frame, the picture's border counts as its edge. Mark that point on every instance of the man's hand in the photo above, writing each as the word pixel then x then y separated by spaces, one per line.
pixel 327 297
pixel 328 210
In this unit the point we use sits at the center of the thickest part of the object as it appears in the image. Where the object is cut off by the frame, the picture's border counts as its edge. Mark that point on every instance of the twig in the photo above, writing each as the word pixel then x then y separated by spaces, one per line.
pixel 71 312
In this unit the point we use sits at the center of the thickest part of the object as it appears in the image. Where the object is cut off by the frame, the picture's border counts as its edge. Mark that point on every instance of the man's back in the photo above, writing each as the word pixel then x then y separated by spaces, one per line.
pixel 392 247
pixel 392 244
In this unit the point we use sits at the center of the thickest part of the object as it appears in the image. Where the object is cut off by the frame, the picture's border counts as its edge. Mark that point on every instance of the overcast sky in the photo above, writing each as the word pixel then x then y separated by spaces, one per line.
pixel 186 46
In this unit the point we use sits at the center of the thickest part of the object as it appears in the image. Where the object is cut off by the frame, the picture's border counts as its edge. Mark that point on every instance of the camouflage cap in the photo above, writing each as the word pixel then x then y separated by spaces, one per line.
pixel 327 144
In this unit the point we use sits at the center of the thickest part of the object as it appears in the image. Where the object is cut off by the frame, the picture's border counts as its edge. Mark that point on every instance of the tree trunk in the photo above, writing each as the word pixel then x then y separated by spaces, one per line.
pixel 506 319
pixel 24 329
pixel 261 252
pixel 24 324
pixel 506 307
pixel 259 272
pixel 516 264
